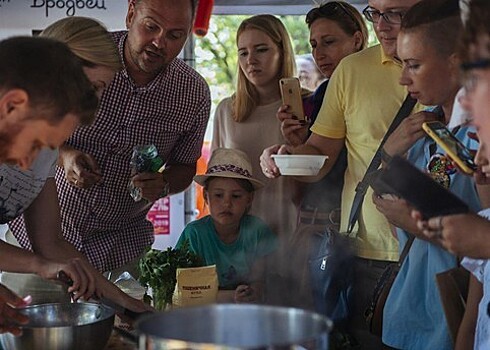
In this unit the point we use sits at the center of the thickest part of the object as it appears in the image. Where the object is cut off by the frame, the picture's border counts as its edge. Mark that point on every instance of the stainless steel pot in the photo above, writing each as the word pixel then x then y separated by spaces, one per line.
pixel 230 326
pixel 68 326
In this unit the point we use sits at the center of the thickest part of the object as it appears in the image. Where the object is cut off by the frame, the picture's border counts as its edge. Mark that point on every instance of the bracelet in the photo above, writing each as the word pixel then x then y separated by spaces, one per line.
pixel 385 157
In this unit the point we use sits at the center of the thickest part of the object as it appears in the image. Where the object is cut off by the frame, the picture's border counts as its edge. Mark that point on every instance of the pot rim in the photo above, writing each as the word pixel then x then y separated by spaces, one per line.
pixel 110 313
pixel 325 324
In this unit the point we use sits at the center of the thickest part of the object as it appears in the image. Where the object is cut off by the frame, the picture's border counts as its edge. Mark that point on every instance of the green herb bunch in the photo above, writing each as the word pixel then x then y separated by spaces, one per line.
pixel 158 270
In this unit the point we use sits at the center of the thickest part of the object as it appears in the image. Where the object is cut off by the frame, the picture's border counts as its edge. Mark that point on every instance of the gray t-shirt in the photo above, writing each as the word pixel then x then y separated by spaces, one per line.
pixel 19 188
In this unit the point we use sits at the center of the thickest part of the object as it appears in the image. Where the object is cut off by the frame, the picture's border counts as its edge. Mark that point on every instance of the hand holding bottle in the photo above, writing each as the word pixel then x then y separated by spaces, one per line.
pixel 148 182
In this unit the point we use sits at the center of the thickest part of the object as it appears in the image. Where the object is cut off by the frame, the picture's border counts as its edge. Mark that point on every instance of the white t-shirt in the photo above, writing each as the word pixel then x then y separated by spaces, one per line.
pixel 481 270
pixel 459 115
pixel 19 188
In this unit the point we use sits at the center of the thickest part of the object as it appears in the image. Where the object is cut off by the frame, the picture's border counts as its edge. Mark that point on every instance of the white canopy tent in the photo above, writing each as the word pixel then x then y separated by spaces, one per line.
pixel 278 7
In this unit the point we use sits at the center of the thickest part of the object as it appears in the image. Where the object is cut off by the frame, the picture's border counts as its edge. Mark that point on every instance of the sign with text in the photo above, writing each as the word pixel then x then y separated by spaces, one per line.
pixel 159 216
pixel 20 17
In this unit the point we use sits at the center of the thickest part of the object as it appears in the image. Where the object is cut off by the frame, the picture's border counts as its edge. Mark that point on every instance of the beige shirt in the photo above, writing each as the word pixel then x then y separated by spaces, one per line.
pixel 260 130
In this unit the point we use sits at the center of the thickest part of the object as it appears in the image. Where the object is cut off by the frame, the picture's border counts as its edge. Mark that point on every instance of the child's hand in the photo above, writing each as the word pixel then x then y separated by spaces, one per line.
pixel 244 294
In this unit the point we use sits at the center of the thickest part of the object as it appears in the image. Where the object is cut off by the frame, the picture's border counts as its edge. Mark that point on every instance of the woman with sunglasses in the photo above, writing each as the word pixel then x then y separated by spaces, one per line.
pixel 337 30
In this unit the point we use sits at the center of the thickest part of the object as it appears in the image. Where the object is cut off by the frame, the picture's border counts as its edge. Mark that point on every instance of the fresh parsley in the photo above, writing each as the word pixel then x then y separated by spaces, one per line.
pixel 158 270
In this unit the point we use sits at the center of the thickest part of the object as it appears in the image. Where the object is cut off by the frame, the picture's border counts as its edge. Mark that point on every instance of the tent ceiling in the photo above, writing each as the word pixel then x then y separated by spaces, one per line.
pixel 275 2
pixel 298 7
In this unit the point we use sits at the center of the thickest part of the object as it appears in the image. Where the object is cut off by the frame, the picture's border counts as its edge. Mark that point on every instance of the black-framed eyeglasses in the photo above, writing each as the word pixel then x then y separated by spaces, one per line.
pixel 478 64
pixel 470 78
pixel 392 17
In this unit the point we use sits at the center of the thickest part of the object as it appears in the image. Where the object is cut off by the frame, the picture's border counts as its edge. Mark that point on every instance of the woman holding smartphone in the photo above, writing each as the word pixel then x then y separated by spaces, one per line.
pixel 453 231
pixel 427 45
pixel 337 30
pixel 246 120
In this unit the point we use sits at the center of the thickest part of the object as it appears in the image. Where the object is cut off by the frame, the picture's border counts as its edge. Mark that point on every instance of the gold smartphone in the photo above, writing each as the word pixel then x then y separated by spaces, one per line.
pixel 458 152
pixel 291 96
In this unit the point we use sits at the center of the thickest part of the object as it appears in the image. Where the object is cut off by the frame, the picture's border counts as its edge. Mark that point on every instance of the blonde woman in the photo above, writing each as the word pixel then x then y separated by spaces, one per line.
pixel 36 222
pixel 247 120
pixel 90 41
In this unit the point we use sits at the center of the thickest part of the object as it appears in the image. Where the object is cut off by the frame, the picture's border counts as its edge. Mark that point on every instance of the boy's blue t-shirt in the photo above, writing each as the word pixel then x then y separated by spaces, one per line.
pixel 413 316
pixel 233 261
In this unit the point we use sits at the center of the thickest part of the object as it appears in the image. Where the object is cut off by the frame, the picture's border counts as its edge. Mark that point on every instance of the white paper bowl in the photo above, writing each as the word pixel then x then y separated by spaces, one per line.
pixel 299 164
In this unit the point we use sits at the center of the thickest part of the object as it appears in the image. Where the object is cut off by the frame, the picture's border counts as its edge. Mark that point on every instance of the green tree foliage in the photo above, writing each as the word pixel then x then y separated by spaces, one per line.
pixel 216 53
pixel 300 35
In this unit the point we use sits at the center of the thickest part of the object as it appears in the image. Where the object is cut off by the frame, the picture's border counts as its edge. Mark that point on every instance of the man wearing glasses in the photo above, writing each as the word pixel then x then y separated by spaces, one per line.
pixel 361 100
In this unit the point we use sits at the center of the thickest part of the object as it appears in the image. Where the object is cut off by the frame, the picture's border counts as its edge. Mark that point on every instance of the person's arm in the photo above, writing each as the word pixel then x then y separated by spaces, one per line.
pixel 294 131
pixel 407 133
pixel 452 233
pixel 466 332
pixel 43 225
pixel 254 291
pixel 398 213
pixel 18 260
pixel 81 169
pixel 180 166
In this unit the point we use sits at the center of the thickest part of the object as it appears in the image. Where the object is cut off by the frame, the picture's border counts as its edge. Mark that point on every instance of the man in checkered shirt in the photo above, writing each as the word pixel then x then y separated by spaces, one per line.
pixel 156 99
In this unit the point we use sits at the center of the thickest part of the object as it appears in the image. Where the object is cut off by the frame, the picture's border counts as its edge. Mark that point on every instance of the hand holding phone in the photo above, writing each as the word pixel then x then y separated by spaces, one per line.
pixel 455 149
pixel 419 189
pixel 291 96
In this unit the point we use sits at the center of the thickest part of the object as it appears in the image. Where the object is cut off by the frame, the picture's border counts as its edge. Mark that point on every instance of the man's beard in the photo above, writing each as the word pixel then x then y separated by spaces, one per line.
pixel 6 142
pixel 137 58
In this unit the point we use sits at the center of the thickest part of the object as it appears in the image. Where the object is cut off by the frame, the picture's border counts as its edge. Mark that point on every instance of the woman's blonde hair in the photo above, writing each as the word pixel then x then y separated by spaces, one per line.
pixel 246 97
pixel 88 39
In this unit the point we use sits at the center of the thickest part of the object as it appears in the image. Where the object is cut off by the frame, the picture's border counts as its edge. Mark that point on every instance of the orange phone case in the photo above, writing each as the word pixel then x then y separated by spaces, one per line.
pixel 449 143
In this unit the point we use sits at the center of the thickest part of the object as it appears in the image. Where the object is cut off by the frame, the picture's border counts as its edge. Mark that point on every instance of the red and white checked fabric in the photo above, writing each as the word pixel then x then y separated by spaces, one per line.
pixel 170 112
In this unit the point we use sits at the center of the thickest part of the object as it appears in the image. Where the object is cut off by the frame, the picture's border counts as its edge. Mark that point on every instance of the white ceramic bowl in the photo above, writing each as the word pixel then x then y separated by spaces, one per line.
pixel 299 164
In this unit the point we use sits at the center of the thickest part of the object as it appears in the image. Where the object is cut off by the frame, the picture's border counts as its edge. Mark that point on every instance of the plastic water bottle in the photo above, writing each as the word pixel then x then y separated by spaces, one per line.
pixel 145 159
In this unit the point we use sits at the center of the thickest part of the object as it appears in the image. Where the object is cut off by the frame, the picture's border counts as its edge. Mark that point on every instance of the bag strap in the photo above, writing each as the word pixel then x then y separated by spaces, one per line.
pixel 406 249
pixel 362 186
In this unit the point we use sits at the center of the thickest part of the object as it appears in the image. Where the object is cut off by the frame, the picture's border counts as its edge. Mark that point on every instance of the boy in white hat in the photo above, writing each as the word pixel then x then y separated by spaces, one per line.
pixel 230 238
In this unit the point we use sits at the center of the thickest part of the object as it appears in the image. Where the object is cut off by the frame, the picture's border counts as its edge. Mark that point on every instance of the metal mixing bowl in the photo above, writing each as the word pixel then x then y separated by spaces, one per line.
pixel 234 326
pixel 70 326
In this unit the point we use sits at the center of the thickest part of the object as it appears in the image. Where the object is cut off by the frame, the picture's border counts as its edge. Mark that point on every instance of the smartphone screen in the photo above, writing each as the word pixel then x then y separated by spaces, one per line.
pixel 456 150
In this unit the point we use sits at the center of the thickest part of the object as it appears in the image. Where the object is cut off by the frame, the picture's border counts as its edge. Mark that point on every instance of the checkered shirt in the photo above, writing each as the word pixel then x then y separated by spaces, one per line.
pixel 170 112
